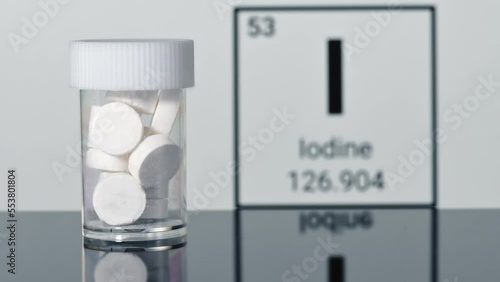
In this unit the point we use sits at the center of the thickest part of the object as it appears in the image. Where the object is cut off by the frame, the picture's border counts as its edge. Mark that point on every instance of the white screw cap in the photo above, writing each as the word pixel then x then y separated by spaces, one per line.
pixel 132 64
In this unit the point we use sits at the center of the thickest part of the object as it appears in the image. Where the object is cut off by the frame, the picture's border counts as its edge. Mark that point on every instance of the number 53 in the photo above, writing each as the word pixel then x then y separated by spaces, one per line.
pixel 261 26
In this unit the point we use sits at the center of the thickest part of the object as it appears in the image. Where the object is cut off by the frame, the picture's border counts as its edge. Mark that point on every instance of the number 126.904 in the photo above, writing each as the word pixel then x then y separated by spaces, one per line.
pixel 347 180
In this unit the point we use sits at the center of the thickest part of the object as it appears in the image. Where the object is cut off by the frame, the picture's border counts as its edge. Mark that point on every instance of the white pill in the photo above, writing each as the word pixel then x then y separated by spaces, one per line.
pixel 98 159
pixel 116 128
pixel 155 161
pixel 166 111
pixel 119 199
pixel 142 101
pixel 92 139
pixel 120 267
pixel 156 209
pixel 154 193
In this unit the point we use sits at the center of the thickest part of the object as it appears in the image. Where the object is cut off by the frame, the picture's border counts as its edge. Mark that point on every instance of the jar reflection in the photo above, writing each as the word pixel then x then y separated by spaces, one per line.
pixel 117 264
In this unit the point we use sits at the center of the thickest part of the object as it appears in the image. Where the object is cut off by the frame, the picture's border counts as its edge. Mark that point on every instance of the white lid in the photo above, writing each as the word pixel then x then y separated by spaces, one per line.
pixel 131 64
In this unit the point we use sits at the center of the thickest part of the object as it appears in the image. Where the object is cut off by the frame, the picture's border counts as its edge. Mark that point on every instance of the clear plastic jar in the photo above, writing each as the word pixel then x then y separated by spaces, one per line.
pixel 133 136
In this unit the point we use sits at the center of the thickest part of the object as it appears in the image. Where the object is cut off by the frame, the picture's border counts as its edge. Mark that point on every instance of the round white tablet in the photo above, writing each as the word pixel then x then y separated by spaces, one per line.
pixel 120 267
pixel 92 139
pixel 119 199
pixel 143 101
pixel 98 159
pixel 166 111
pixel 116 128
pixel 155 161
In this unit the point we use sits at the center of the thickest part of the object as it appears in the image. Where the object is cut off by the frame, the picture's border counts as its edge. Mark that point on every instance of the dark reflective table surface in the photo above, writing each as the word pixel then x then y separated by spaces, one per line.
pixel 355 245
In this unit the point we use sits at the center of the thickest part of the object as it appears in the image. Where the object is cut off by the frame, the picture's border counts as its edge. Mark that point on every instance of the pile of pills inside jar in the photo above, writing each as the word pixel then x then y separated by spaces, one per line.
pixel 130 140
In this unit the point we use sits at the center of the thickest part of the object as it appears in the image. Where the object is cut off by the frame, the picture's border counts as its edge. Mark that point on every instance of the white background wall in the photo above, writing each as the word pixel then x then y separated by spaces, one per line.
pixel 39 119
